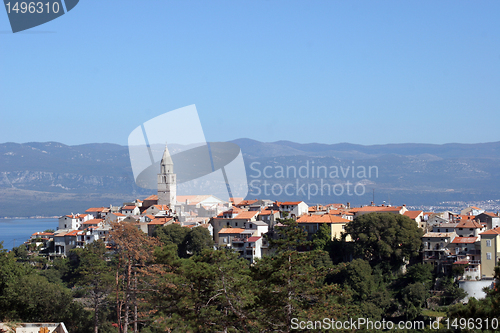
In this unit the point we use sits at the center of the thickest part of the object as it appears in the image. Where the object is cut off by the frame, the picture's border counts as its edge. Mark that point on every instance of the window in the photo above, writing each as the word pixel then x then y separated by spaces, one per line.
pixel 488 242
pixel 225 240
pixel 488 255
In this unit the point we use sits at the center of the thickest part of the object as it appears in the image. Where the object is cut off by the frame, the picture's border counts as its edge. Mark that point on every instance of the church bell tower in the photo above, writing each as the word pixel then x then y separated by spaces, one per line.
pixel 166 181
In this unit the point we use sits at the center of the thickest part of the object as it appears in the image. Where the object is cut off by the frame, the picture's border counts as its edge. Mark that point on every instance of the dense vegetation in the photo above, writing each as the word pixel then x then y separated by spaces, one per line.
pixel 177 282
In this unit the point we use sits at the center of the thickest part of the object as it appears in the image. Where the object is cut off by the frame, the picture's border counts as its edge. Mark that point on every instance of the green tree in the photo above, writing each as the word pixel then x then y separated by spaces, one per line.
pixel 95 276
pixel 420 273
pixel 323 237
pixel 196 240
pixel 289 286
pixel 385 238
pixel 32 298
pixel 413 299
pixel 209 292
pixel 21 252
pixel 173 234
pixel 369 292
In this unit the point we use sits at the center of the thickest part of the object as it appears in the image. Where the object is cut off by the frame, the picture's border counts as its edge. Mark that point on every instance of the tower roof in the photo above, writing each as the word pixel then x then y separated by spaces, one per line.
pixel 166 159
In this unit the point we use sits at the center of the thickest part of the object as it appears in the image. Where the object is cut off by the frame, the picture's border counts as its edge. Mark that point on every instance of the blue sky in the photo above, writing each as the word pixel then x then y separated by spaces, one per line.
pixel 366 72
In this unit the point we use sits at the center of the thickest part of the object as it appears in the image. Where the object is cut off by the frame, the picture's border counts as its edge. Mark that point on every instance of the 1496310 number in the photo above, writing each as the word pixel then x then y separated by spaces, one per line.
pixel 32 7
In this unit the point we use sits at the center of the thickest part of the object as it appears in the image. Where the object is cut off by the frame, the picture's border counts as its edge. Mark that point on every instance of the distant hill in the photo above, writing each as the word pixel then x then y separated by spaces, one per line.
pixel 51 178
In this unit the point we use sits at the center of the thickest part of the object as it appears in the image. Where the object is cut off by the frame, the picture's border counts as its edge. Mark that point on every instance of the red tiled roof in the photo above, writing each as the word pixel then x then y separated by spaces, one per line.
pixel 490 214
pixel 128 207
pixel 291 203
pixel 231 231
pixel 253 239
pixel 267 212
pixel 233 210
pixel 93 221
pixel 161 207
pixel 160 220
pixel 375 209
pixel 463 262
pixel 73 233
pixel 118 214
pixel 464 240
pixel 469 224
pixel 95 210
pixel 413 214
pixel 43 234
pixel 326 218
pixel 495 231
pixel 246 202
pixel 152 197
pixel 247 214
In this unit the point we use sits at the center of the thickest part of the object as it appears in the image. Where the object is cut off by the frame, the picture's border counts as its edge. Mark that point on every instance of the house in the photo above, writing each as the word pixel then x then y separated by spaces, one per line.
pixel 98 212
pixel 469 228
pixel 417 216
pixel 226 236
pixel 312 222
pixel 163 210
pixel 70 222
pixel 39 328
pixel 491 220
pixel 130 210
pixel 468 252
pixel 436 251
pixel 149 201
pixel 40 239
pixel 245 204
pixel 259 228
pixel 158 222
pixel 93 223
pixel 490 252
pixel 434 219
pixel 252 248
pixel 472 210
pixel 269 216
pixel 115 217
pixel 238 221
pixel 63 242
pixel 294 209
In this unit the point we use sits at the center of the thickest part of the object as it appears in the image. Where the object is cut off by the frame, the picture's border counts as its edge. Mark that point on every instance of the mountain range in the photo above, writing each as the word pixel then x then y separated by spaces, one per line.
pixel 50 178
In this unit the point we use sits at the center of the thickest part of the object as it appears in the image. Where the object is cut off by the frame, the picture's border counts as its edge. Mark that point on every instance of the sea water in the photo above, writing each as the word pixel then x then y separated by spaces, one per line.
pixel 14 232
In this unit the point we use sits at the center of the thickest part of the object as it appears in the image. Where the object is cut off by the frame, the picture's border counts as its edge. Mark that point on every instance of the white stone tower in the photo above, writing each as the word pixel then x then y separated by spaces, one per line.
pixel 167 194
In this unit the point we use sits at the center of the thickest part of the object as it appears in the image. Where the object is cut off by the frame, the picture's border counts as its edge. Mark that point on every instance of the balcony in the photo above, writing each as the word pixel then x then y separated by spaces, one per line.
pixel 239 239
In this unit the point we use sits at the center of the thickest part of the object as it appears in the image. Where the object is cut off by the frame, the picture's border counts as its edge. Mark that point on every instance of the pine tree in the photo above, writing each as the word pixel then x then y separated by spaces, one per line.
pixel 134 251
pixel 95 276
pixel 289 286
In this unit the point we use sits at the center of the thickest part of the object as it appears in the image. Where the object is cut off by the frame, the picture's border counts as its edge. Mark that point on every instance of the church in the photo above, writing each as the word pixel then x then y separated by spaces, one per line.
pixel 167 186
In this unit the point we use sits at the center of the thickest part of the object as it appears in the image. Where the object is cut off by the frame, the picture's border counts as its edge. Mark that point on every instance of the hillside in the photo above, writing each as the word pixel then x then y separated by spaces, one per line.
pixel 52 178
